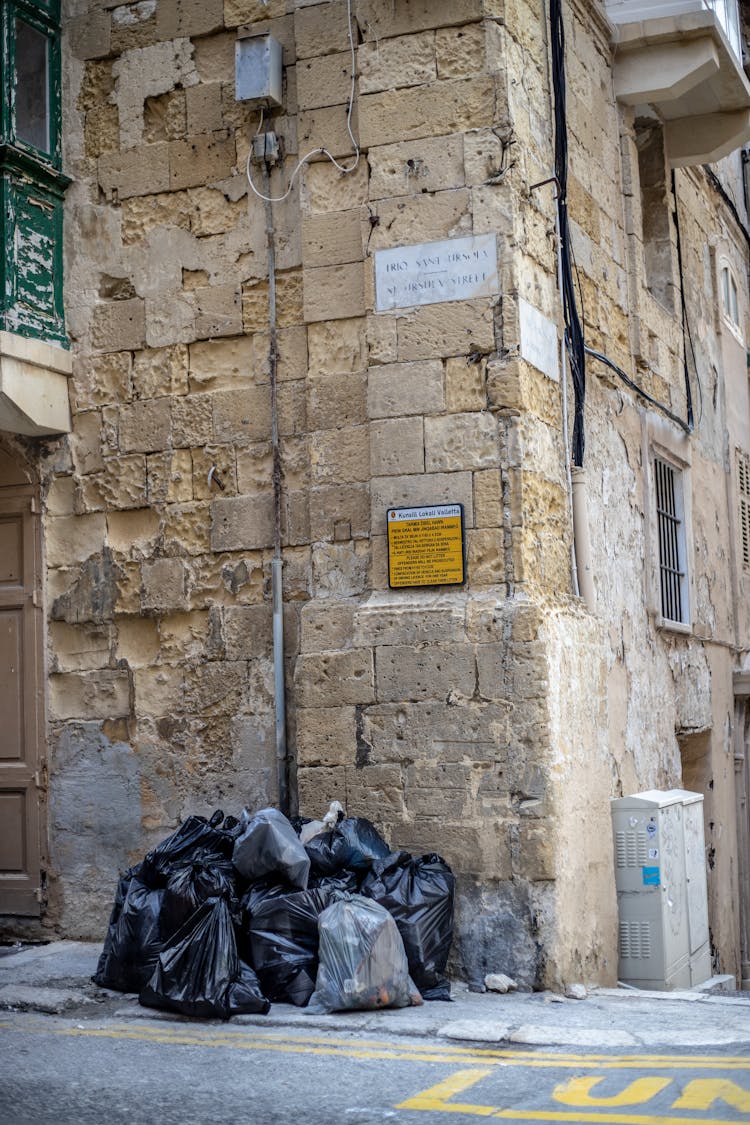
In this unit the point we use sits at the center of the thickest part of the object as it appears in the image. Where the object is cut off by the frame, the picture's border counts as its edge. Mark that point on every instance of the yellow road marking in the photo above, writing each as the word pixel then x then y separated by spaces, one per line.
pixel 579 1118
pixel 701 1093
pixel 260 1039
pixel 435 1100
pixel 577 1091
pixel 697 1094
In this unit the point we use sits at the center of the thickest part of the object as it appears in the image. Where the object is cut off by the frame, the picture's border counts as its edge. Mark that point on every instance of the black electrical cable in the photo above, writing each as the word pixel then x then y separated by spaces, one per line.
pixel 683 306
pixel 718 187
pixel 574 340
pixel 687 427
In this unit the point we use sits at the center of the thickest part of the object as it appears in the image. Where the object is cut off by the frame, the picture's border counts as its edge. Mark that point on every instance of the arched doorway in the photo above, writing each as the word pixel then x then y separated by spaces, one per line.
pixel 22 760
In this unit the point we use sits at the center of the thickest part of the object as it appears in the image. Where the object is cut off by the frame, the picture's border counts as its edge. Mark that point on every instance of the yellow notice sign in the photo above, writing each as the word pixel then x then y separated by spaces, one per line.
pixel 426 546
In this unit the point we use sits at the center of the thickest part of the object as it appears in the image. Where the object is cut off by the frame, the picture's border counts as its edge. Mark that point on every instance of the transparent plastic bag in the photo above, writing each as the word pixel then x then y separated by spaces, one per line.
pixel 279 935
pixel 362 963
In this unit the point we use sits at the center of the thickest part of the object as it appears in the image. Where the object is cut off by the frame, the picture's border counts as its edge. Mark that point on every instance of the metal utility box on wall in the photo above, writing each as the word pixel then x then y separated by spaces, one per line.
pixel 257 70
pixel 660 874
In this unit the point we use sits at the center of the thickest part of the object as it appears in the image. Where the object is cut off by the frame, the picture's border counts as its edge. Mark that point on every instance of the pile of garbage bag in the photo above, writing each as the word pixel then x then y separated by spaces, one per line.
pixel 228 915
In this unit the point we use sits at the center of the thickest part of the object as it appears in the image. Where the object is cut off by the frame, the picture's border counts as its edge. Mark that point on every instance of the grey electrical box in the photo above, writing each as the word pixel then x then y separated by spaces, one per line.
pixel 257 70
pixel 660 875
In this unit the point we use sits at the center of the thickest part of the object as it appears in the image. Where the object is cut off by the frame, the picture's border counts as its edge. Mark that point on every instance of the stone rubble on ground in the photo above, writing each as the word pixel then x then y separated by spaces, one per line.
pixel 499 982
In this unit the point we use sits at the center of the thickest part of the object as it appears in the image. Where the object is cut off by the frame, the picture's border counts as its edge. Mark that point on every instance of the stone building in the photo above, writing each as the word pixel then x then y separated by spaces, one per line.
pixel 237 393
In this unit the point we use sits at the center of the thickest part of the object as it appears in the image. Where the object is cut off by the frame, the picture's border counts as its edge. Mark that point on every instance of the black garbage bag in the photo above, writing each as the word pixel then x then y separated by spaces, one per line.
pixel 362 963
pixel 199 973
pixel 354 843
pixel 190 884
pixel 279 934
pixel 418 893
pixel 270 846
pixel 120 894
pixel 134 939
pixel 245 996
pixel 231 827
pixel 195 836
pixel 345 880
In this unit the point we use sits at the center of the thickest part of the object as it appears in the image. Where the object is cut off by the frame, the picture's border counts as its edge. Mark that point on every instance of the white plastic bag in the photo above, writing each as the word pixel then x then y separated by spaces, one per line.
pixel 330 820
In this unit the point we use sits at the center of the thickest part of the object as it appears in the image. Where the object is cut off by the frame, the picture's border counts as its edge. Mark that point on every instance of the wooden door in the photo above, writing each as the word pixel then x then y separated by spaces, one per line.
pixel 22 768
pixel 742 797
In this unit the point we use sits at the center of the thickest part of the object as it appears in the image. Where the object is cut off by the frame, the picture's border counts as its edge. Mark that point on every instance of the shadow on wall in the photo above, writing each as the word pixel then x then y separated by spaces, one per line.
pixel 494 931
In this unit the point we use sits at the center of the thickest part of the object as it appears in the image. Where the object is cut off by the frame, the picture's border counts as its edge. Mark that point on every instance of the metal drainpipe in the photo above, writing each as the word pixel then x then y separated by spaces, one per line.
pixel 580 553
pixel 582 538
pixel 277 587
pixel 564 391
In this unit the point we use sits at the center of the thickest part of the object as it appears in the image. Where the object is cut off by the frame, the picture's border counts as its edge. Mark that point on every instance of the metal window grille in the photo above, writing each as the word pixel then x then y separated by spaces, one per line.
pixel 672 569
pixel 743 483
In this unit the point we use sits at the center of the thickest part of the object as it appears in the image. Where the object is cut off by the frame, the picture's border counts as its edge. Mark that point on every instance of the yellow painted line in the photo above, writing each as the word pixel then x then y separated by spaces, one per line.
pixel 259 1044
pixel 437 1097
pixel 579 1118
pixel 486 1053
pixel 260 1039
pixel 434 1053
pixel 435 1100
pixel 255 1043
pixel 577 1091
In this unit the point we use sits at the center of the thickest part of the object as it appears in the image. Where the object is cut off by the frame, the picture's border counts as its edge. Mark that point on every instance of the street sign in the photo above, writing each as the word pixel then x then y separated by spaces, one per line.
pixel 455 269
pixel 426 546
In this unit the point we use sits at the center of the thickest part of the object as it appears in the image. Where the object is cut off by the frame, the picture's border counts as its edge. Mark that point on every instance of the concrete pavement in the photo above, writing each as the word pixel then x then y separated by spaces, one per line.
pixel 56 978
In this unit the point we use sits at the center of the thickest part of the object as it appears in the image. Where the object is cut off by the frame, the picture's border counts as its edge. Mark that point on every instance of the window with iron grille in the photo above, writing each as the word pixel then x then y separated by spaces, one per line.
pixel 743 487
pixel 670 515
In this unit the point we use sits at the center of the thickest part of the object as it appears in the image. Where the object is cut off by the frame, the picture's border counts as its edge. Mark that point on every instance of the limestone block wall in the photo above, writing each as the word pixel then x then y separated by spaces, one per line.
pixel 159 637
pixel 425 711
pixel 490 723
pixel 666 696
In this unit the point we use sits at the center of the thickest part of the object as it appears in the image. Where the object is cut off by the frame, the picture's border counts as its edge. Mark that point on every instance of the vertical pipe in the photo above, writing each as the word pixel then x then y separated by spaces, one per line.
pixel 581 538
pixel 278 682
pixel 575 475
pixel 277 588
pixel 564 390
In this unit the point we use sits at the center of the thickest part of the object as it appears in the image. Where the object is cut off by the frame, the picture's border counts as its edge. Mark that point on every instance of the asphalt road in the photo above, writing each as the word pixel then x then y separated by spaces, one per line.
pixel 60 1072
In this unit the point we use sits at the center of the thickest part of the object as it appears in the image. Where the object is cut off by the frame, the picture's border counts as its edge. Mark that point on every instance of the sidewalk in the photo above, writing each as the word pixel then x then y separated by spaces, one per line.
pixel 56 979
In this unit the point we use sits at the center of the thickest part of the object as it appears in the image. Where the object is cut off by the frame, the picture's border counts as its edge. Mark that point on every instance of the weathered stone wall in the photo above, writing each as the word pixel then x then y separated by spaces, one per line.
pixel 491 723
pixel 158 583
pixel 666 697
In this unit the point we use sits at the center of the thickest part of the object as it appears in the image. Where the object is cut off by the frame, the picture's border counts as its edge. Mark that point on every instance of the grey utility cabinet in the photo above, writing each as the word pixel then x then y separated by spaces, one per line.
pixel 660 875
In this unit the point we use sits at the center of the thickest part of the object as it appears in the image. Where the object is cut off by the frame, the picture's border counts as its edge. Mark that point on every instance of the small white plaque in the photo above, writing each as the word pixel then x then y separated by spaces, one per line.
pixel 455 270
pixel 539 343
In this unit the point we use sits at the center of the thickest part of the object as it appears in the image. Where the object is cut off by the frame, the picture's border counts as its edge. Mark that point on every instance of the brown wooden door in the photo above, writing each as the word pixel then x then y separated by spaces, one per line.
pixel 742 798
pixel 22 780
